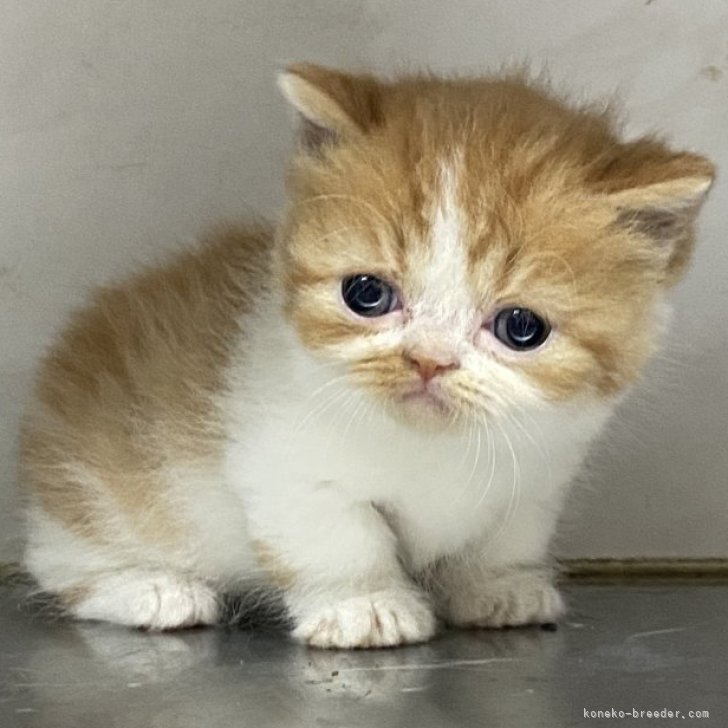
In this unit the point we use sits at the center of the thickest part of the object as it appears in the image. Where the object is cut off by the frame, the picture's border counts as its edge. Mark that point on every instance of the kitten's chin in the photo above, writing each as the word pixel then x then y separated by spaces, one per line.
pixel 425 411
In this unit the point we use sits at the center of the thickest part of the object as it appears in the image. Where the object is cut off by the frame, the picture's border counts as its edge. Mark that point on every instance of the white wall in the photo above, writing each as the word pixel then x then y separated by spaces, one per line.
pixel 127 127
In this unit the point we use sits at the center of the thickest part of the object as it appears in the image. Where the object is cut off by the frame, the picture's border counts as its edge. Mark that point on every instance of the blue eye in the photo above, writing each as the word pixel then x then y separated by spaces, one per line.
pixel 520 328
pixel 368 295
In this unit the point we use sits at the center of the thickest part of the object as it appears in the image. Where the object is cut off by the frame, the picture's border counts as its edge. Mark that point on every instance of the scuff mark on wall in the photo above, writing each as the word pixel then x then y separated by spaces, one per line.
pixel 712 73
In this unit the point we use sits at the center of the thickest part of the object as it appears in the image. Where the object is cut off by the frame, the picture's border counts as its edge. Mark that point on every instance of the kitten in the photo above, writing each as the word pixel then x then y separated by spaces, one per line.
pixel 375 413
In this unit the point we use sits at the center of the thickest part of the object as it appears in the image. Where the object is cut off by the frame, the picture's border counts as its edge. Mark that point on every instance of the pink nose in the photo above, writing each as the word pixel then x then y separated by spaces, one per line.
pixel 430 367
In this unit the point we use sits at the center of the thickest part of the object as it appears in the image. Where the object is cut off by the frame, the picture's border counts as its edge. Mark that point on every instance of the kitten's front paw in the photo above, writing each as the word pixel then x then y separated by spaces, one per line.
pixel 380 619
pixel 148 600
pixel 508 599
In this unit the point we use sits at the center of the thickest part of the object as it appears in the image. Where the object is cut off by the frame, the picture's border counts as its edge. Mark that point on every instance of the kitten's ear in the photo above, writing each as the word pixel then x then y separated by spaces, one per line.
pixel 658 194
pixel 333 105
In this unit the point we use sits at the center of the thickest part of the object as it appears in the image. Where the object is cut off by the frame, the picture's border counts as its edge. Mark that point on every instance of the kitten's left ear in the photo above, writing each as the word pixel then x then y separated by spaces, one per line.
pixel 333 105
pixel 658 194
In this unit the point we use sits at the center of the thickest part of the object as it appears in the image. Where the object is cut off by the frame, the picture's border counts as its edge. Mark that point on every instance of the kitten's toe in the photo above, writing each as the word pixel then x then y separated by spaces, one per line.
pixel 148 600
pixel 512 599
pixel 381 619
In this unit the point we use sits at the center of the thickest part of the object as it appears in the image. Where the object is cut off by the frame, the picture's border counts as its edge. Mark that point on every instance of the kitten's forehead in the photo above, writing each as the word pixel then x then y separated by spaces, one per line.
pixel 444 295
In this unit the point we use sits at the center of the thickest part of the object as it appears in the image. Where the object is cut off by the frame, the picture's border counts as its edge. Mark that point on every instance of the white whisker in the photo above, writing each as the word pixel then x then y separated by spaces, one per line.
pixel 321 408
pixel 515 489
pixel 492 455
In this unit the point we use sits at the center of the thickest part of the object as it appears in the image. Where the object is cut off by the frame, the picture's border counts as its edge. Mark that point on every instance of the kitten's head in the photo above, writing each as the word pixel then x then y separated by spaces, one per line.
pixel 466 247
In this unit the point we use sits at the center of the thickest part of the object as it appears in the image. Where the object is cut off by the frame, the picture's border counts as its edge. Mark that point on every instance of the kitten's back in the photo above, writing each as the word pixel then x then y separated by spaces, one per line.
pixel 132 383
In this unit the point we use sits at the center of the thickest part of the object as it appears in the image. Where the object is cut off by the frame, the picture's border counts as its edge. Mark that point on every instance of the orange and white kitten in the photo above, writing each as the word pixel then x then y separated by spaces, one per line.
pixel 375 413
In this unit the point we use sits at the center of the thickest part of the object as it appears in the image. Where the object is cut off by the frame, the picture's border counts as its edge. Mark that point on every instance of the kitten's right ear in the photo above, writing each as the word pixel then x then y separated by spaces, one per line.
pixel 333 105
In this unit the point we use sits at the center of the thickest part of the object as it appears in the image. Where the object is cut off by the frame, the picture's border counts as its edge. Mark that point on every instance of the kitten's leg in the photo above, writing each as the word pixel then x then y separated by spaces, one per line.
pixel 146 599
pixel 504 581
pixel 94 582
pixel 342 583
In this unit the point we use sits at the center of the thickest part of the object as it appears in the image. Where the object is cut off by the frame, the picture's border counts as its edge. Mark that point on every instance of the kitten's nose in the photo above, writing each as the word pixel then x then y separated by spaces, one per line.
pixel 431 365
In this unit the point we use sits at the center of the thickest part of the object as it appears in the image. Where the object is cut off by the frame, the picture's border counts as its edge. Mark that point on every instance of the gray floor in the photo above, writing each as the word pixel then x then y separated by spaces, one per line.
pixel 634 647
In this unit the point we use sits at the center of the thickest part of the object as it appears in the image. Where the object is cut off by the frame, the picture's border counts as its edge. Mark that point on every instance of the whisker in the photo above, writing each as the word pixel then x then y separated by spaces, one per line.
pixel 340 231
pixel 492 455
pixel 320 409
pixel 326 385
pixel 469 442
pixel 513 419
pixel 515 490
pixel 476 460
pixel 360 403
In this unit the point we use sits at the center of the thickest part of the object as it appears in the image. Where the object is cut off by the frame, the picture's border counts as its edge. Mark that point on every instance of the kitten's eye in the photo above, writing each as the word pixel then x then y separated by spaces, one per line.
pixel 368 296
pixel 520 328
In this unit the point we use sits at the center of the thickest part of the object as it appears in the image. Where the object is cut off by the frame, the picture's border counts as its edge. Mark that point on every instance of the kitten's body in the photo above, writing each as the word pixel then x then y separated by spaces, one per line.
pixel 276 458
pixel 202 431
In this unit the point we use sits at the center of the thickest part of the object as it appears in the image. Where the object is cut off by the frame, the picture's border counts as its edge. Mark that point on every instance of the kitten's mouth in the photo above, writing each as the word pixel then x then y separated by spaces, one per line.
pixel 428 398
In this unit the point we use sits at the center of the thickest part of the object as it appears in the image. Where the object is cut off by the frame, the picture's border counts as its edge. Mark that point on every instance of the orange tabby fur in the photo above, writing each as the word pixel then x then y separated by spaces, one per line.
pixel 147 358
